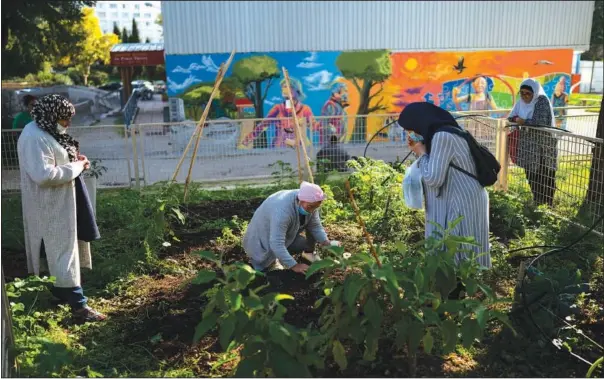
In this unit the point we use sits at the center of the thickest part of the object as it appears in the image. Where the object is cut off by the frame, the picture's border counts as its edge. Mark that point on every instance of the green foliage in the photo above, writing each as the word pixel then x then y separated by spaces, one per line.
pixel 405 300
pixel 284 175
pixel 34 32
pixel 134 36
pixel 377 187
pixel 250 73
pixel 253 322
pixel 374 65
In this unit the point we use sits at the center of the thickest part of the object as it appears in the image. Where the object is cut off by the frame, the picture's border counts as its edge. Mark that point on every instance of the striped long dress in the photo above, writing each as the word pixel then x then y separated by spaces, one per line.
pixel 450 193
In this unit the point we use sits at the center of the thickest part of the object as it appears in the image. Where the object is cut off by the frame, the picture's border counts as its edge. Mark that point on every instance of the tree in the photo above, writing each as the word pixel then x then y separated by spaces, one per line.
pixel 134 36
pixel 160 20
pixel 116 30
pixel 34 32
pixel 594 198
pixel 147 40
pixel 125 38
pixel 369 68
pixel 250 73
pixel 93 47
pixel 596 42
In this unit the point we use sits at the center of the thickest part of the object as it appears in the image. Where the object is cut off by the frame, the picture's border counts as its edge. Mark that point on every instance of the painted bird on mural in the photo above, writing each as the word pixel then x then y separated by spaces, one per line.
pixel 544 62
pixel 460 67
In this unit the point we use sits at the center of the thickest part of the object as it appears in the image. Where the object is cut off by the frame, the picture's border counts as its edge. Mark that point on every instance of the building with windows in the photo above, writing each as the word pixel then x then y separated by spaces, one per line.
pixel 145 13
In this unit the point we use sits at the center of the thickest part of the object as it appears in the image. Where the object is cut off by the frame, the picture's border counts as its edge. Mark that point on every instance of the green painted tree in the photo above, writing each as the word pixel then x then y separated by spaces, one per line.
pixel 251 73
pixel 365 69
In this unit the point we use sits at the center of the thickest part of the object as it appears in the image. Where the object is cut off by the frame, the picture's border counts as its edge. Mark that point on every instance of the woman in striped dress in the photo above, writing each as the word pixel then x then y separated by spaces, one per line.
pixel 448 193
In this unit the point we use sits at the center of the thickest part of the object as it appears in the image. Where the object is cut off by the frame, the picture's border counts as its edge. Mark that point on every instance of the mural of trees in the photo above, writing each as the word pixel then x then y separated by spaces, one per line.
pixel 371 68
pixel 251 73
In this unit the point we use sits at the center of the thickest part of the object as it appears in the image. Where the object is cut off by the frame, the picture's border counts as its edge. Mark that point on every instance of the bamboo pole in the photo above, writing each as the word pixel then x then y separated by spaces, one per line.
pixel 299 139
pixel 362 223
pixel 204 115
pixel 219 76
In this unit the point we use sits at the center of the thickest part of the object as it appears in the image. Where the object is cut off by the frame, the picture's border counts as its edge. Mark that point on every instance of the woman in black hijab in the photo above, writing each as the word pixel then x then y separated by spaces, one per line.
pixel 449 194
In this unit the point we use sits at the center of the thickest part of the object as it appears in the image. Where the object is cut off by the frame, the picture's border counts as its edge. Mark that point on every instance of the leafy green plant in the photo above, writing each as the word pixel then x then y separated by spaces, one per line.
pixel 409 296
pixel 229 238
pixel 96 170
pixel 283 175
pixel 253 322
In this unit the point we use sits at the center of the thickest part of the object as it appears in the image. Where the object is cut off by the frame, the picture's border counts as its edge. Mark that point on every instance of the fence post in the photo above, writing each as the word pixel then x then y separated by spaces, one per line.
pixel 135 157
pixel 502 155
pixel 127 155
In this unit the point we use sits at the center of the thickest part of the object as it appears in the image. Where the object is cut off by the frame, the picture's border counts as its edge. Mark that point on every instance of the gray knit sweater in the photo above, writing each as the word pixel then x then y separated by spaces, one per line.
pixel 274 227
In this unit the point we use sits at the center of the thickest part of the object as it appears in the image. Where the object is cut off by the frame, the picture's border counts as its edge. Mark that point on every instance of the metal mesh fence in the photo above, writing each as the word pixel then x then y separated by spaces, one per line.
pixel 559 162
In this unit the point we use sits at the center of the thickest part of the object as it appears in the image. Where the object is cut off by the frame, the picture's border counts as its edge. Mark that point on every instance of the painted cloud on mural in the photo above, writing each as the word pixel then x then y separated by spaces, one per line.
pixel 207 64
pixel 320 80
pixel 310 61
pixel 173 86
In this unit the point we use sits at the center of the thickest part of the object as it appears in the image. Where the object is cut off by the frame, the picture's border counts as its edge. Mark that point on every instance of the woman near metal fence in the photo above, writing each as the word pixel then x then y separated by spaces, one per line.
pixel 537 150
pixel 449 193
pixel 58 218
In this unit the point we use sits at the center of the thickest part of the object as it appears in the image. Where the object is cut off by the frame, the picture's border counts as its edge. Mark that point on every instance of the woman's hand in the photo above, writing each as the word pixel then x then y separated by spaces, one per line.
pixel 520 121
pixel 84 160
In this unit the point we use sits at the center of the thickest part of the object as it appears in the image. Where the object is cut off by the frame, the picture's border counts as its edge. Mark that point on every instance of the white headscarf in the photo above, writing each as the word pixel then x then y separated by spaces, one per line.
pixel 524 110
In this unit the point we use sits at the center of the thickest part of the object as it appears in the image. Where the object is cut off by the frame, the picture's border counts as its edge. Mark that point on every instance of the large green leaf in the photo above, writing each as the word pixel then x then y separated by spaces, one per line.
pixel 235 298
pixel 339 354
pixel 418 278
pixel 227 327
pixel 319 265
pixel 428 342
pixel 280 335
pixel 244 277
pixel 352 286
pixel 482 315
pixel 286 366
pixel 446 281
pixel 373 312
pixel 206 255
pixel 207 324
pixel 416 332
pixel 471 286
pixel 449 332
pixel 204 276
pixel 470 330
pixel 249 366
pixel 487 291
pixel 253 302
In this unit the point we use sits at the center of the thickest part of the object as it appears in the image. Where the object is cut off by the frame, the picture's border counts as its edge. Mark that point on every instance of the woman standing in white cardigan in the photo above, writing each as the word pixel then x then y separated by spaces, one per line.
pixel 57 215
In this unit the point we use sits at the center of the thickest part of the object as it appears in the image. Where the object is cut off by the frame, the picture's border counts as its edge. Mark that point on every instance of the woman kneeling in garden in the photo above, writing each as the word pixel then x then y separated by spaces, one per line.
pixel 448 193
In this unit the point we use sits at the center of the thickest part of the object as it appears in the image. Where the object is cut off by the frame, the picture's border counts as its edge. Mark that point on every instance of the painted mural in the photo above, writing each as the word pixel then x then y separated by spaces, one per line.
pixel 335 85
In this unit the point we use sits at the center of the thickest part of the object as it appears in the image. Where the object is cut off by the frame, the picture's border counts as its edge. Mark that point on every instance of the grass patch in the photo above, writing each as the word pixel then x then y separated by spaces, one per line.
pixel 577 99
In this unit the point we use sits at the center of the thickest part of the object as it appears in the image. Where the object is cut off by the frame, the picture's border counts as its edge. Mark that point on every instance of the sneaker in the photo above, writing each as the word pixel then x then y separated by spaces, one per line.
pixel 311 257
pixel 88 314
pixel 275 266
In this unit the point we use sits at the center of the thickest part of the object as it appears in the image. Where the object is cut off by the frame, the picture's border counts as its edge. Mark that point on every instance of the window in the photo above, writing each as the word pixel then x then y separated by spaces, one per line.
pixel 114 14
pixel 123 6
pixel 125 15
pixel 101 14
pixel 136 15
pixel 101 5
pixel 137 6
pixel 148 23
pixel 113 6
pixel 147 15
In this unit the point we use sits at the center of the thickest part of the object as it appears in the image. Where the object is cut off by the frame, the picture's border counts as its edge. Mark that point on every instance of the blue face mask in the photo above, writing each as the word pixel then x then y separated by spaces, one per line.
pixel 302 211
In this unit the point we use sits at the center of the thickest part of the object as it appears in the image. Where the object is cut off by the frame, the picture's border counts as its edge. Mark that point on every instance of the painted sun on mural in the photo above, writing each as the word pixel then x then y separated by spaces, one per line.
pixel 333 85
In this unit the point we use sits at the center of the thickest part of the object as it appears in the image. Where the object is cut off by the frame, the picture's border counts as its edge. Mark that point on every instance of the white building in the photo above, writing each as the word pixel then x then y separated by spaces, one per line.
pixel 122 12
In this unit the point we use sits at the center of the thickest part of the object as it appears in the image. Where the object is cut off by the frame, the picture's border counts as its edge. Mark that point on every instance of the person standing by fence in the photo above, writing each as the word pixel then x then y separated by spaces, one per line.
pixel 24 118
pixel 58 218
pixel 537 150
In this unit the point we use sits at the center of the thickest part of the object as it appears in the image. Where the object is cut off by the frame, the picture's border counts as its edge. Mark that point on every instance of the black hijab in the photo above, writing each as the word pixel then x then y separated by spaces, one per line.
pixel 425 119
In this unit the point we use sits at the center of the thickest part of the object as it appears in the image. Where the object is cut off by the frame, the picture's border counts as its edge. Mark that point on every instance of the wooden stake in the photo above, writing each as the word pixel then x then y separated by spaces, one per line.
pixel 299 139
pixel 362 223
pixel 199 130
pixel 201 121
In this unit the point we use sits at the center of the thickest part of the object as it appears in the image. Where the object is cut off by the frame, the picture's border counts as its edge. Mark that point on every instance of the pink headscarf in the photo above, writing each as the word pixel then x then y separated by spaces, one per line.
pixel 310 192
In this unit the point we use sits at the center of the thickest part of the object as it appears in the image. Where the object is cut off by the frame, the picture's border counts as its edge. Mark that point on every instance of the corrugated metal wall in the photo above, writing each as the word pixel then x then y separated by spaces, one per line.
pixel 195 27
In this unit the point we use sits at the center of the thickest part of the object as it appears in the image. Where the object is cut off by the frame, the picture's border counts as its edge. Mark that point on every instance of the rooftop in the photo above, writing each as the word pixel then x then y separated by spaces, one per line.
pixel 131 47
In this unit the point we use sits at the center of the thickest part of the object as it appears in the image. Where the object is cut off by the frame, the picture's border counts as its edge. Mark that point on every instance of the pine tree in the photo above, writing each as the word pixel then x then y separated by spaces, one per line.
pixel 124 36
pixel 116 30
pixel 147 40
pixel 134 37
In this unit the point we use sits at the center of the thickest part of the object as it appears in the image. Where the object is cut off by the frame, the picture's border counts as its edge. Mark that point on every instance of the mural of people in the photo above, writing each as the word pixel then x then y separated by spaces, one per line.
pixel 560 99
pixel 284 125
pixel 334 108
pixel 480 100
